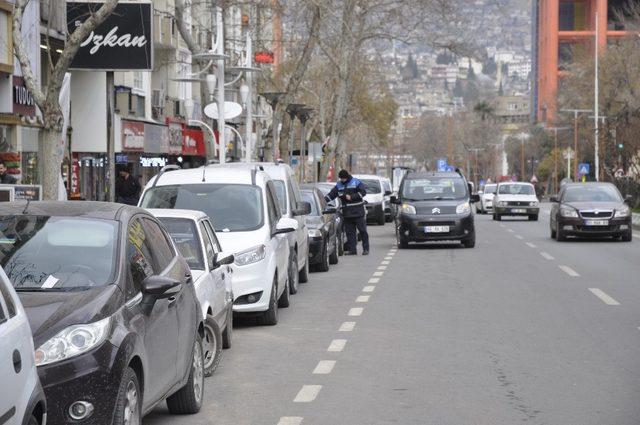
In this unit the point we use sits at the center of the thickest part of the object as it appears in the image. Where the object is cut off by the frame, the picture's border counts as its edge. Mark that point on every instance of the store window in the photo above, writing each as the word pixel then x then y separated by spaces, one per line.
pixel 6 48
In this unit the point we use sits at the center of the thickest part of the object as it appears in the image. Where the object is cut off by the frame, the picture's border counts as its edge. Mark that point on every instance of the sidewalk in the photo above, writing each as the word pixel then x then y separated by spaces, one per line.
pixel 636 221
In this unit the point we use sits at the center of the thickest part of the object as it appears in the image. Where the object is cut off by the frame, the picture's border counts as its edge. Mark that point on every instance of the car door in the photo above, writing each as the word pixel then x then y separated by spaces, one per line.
pixel 160 333
pixel 13 349
pixel 217 275
pixel 280 243
pixel 302 233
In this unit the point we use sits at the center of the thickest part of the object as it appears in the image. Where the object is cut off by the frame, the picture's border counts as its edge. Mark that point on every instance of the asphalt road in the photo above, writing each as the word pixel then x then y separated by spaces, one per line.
pixel 521 329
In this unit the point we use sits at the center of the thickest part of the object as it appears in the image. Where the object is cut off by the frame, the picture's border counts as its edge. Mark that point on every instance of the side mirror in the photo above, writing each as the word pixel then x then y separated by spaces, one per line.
pixel 222 259
pixel 387 193
pixel 330 210
pixel 395 200
pixel 159 287
pixel 554 199
pixel 474 198
pixel 286 225
pixel 302 208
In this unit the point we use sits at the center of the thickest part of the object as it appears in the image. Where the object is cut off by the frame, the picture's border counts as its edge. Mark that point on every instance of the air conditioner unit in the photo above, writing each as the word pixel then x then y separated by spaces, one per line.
pixel 157 98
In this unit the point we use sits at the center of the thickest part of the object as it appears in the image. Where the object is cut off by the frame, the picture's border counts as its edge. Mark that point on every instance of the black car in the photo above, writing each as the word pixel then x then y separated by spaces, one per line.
pixel 590 210
pixel 322 224
pixel 435 207
pixel 115 319
pixel 325 188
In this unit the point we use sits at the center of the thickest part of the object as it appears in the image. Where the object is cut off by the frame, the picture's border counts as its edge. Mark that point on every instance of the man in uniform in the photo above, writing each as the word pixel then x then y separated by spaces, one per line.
pixel 351 192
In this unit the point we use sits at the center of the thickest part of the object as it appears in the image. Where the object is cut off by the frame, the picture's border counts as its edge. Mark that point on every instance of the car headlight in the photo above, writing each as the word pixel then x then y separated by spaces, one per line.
pixel 533 204
pixel 408 209
pixel 463 208
pixel 250 256
pixel 73 341
pixel 315 233
pixel 568 212
pixel 623 212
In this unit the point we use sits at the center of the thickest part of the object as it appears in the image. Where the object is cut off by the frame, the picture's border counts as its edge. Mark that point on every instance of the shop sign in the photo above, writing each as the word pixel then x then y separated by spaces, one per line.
pixel 122 42
pixel 122 158
pixel 132 136
pixel 23 103
pixel 75 175
pixel 175 139
pixel 264 57
pixel 26 192
pixel 156 138
pixel 193 143
pixel 153 161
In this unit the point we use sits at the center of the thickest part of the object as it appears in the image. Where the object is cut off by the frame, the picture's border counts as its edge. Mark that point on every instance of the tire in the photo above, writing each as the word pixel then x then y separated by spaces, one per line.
pixel 627 236
pixel 303 276
pixel 323 266
pixel 497 217
pixel 471 242
pixel 294 275
pixel 285 299
pixel 334 258
pixel 227 335
pixel 388 219
pixel 381 219
pixel 33 421
pixel 560 237
pixel 402 243
pixel 188 399
pixel 270 317
pixel 211 346
pixel 340 243
pixel 553 233
pixel 128 408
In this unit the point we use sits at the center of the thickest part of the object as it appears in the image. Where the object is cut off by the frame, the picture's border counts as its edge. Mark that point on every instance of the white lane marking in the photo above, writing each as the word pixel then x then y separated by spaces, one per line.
pixel 382 267
pixel 374 280
pixel 389 258
pixel 337 345
pixel 378 274
pixel 385 263
pixel 519 237
pixel 502 225
pixel 368 289
pixel 290 420
pixel 356 311
pixel 307 394
pixel 547 256
pixel 608 300
pixel 530 245
pixel 510 230
pixel 324 367
pixel 363 299
pixel 568 270
pixel 347 327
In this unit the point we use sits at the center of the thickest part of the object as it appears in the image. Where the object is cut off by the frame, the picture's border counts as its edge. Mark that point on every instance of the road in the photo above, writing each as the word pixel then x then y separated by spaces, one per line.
pixel 521 329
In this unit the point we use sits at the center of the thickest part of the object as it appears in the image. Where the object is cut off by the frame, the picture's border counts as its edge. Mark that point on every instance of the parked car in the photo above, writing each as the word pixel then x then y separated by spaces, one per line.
pixel 322 224
pixel 22 400
pixel 244 209
pixel 516 199
pixel 293 207
pixel 196 241
pixel 435 206
pixel 389 208
pixel 325 188
pixel 375 203
pixel 112 307
pixel 590 210
pixel 485 205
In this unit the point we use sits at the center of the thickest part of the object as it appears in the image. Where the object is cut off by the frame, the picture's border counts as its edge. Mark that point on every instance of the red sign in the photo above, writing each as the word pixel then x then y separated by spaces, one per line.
pixel 193 142
pixel 263 57
pixel 23 103
pixel 132 136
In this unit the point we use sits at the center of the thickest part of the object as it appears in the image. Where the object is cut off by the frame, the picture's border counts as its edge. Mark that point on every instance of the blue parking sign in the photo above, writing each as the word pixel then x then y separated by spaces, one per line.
pixel 583 169
pixel 442 164
pixel 450 168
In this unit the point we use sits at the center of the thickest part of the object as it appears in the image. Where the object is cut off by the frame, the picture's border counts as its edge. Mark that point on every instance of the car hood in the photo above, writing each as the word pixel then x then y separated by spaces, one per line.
pixel 436 207
pixel 314 222
pixel 236 242
pixel 581 206
pixel 51 312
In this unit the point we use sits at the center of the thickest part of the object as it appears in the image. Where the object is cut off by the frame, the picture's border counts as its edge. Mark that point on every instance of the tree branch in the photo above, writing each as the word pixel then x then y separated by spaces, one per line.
pixel 30 79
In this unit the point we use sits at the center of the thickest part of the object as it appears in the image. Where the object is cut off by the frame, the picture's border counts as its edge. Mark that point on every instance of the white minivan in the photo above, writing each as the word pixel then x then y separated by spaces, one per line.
pixel 22 401
pixel 244 209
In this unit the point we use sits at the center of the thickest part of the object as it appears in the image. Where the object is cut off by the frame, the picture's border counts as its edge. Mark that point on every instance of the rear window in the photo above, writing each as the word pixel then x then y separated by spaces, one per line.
pixel 372 186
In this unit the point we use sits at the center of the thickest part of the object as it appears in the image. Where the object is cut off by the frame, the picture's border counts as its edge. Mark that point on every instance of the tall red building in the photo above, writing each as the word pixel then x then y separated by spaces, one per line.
pixel 560 29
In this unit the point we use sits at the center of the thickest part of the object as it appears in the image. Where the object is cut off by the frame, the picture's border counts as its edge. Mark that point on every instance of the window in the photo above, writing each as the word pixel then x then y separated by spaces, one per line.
pixel 212 234
pixel 185 236
pixel 307 196
pixel 140 106
pixel 6 46
pixel 434 188
pixel 161 252
pixel 138 80
pixel 139 257
pixel 515 189
pixel 372 186
pixel 292 200
pixel 208 245
pixel 281 193
pixel 272 206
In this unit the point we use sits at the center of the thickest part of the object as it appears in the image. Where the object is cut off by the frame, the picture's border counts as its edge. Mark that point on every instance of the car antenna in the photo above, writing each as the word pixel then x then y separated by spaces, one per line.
pixel 26 206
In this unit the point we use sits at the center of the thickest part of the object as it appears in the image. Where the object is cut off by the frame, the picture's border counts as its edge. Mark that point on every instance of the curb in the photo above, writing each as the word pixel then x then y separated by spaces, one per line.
pixel 636 221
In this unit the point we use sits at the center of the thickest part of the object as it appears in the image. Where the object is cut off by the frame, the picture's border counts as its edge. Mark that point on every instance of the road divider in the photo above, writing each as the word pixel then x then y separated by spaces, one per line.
pixel 324 367
pixel 568 270
pixel 378 274
pixel 337 345
pixel 605 298
pixel 519 237
pixel 362 299
pixel 290 420
pixel 530 245
pixel 547 256
pixel 307 394
pixel 374 280
pixel 356 311
pixel 347 327
pixel 368 289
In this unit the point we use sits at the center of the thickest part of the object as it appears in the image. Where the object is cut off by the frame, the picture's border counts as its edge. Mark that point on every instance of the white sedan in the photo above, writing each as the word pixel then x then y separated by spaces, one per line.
pixel 516 199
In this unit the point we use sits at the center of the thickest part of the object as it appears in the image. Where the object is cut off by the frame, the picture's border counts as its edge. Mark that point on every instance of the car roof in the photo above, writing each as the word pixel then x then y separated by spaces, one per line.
pixel 575 184
pixel 214 173
pixel 416 175
pixel 178 213
pixel 84 209
pixel 367 176
pixel 522 183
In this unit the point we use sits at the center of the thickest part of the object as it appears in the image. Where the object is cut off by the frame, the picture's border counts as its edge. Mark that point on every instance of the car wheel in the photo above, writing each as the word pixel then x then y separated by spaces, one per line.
pixel 303 276
pixel 323 266
pixel 335 258
pixel 381 219
pixel 227 335
pixel 270 317
pixel 188 399
pixel 212 346
pixel 294 275
pixel 497 217
pixel 33 421
pixel 470 242
pixel 627 236
pixel 340 243
pixel 128 408
pixel 285 299
pixel 553 233
pixel 560 237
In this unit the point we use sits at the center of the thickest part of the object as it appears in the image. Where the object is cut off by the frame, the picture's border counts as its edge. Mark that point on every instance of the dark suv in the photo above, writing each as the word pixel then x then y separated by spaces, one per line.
pixel 435 207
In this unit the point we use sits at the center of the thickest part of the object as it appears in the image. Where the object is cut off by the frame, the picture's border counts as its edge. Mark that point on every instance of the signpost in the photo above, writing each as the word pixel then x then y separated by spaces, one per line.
pixel 583 169
pixel 442 164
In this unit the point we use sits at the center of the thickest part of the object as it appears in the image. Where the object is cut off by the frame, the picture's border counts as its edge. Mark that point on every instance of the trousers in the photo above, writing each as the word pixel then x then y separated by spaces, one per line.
pixel 350 226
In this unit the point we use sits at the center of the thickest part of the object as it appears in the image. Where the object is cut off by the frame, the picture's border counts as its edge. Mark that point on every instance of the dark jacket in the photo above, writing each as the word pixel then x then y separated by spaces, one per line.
pixel 8 179
pixel 356 190
pixel 127 190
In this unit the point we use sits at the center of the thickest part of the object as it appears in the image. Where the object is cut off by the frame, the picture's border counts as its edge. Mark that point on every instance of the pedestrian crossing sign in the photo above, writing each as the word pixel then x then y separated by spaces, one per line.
pixel 583 169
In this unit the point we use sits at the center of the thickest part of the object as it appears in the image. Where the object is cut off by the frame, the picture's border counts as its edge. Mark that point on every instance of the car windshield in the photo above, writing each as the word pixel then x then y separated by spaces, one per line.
pixel 592 194
pixel 281 193
pixel 372 186
pixel 184 234
pixel 434 188
pixel 57 253
pixel 231 207
pixel 307 196
pixel 515 189
pixel 490 189
pixel 387 186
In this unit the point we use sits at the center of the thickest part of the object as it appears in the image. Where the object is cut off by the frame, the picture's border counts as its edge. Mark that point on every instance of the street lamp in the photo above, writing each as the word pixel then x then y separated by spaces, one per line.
pixel 555 153
pixel 212 80
pixel 189 107
pixel 575 113
pixel 303 115
pixel 523 137
pixel 292 110
pixel 272 99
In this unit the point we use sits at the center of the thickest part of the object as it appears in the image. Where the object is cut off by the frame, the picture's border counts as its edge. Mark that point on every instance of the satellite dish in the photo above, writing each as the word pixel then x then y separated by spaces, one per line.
pixel 231 110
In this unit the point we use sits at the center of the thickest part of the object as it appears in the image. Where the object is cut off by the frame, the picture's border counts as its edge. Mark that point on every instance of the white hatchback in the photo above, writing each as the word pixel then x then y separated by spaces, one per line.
pixel 193 235
pixel 243 206
pixel 22 400
pixel 516 199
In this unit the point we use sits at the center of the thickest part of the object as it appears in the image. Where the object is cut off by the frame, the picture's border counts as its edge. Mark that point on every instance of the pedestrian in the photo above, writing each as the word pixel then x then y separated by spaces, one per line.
pixel 351 192
pixel 127 187
pixel 6 178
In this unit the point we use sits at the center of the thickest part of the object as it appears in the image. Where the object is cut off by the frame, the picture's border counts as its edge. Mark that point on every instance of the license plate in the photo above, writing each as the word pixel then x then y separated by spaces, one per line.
pixel 519 211
pixel 597 222
pixel 436 229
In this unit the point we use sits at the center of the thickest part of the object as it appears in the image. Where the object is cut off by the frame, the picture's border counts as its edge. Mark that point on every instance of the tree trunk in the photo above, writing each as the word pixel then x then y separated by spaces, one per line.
pixel 51 172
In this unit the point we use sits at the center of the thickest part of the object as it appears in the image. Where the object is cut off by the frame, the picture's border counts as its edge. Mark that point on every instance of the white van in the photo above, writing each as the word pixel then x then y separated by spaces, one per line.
pixel 375 198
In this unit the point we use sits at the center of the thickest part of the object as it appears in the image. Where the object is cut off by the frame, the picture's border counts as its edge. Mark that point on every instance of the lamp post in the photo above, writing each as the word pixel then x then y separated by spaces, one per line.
pixel 522 137
pixel 292 110
pixel 576 113
pixel 189 108
pixel 272 99
pixel 303 115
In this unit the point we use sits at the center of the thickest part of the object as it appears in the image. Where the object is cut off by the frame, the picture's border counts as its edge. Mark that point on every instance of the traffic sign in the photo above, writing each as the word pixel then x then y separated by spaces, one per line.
pixel 583 169
pixel 450 168
pixel 442 164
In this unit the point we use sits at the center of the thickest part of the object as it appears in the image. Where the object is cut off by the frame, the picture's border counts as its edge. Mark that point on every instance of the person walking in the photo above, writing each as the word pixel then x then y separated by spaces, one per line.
pixel 351 192
pixel 6 178
pixel 127 187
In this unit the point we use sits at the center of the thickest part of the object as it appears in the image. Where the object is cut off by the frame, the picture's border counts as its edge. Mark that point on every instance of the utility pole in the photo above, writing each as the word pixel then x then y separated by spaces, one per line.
pixel 221 87
pixel 555 154
pixel 576 113
pixel 475 171
pixel 596 105
pixel 522 137
pixel 450 138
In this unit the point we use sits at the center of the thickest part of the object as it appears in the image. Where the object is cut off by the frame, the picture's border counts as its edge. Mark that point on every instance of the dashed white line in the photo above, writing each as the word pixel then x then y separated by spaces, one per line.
pixel 324 367
pixel 519 237
pixel 290 420
pixel 568 270
pixel 362 299
pixel 385 263
pixel 374 280
pixel 530 245
pixel 347 327
pixel 388 258
pixel 547 256
pixel 307 394
pixel 605 298
pixel 378 274
pixel 337 345
pixel 502 225
pixel 368 289
pixel 356 311
pixel 382 267
pixel 510 230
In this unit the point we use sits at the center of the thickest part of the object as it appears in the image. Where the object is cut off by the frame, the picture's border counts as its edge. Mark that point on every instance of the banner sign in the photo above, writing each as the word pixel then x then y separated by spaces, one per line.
pixel 23 103
pixel 123 42
pixel 132 136
pixel 24 192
